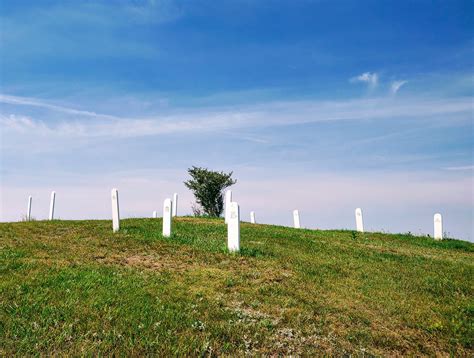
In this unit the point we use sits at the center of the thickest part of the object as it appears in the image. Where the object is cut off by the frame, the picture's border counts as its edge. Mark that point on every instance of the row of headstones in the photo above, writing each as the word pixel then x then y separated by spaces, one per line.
pixel 170 210
pixel 174 207
pixel 437 221
pixel 51 207
pixel 232 217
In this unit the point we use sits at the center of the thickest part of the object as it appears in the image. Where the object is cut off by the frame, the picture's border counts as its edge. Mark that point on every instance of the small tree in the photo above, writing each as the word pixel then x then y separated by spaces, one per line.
pixel 208 187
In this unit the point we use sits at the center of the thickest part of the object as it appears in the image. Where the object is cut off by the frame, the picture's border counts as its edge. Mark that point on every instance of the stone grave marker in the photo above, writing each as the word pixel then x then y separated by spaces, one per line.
pixel 167 212
pixel 233 227
pixel 296 219
pixel 359 221
pixel 252 217
pixel 438 226
pixel 28 211
pixel 175 204
pixel 51 205
pixel 115 210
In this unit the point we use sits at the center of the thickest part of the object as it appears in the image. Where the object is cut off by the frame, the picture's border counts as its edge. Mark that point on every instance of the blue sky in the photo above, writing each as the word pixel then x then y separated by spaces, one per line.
pixel 323 106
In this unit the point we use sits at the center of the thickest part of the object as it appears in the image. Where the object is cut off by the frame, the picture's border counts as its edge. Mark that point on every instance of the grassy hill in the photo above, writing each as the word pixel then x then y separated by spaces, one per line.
pixel 74 287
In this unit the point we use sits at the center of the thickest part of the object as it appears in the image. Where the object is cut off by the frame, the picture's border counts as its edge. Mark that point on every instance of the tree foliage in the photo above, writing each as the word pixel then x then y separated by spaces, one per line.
pixel 208 187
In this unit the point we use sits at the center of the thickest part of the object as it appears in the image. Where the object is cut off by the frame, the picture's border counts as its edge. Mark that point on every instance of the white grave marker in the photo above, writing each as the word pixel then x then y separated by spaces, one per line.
pixel 252 217
pixel 28 212
pixel 51 205
pixel 296 219
pixel 167 207
pixel 438 227
pixel 155 215
pixel 359 221
pixel 115 210
pixel 233 227
pixel 175 204
pixel 228 200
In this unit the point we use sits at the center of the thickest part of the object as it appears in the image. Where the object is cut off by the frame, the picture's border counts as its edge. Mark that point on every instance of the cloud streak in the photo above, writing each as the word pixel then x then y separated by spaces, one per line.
pixel 217 119
pixel 396 85
pixel 32 102
pixel 463 167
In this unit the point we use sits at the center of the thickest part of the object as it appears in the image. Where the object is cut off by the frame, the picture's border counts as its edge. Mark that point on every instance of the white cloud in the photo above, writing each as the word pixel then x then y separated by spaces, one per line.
pixel 463 167
pixel 367 77
pixel 21 123
pixel 152 11
pixel 396 85
pixel 26 101
pixel 218 119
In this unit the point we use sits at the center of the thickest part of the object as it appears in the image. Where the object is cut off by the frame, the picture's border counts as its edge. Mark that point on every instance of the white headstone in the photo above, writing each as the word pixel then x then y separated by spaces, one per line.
pixel 155 215
pixel 167 207
pixel 28 212
pixel 296 219
pixel 438 227
pixel 175 204
pixel 359 221
pixel 228 200
pixel 115 210
pixel 51 205
pixel 252 217
pixel 233 227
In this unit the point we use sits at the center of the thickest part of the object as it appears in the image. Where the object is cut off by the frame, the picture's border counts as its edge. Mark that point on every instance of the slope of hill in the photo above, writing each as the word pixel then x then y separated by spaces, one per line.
pixel 74 287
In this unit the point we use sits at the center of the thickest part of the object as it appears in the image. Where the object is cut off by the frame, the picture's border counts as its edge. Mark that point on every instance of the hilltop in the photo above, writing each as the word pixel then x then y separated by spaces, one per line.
pixel 74 287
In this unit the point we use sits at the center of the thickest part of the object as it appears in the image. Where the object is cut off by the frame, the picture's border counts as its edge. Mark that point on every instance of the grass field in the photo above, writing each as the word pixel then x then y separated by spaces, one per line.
pixel 74 287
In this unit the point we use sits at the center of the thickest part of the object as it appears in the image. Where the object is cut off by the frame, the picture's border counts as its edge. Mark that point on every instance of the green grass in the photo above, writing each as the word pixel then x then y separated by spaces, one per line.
pixel 75 288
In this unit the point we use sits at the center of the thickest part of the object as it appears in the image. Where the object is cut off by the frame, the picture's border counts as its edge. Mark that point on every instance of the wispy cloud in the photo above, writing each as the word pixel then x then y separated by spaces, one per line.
pixel 153 11
pixel 396 85
pixel 371 78
pixel 217 119
pixel 21 123
pixel 25 101
pixel 463 167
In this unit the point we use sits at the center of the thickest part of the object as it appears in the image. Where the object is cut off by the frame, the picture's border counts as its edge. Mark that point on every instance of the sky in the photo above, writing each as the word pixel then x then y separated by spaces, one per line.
pixel 320 106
